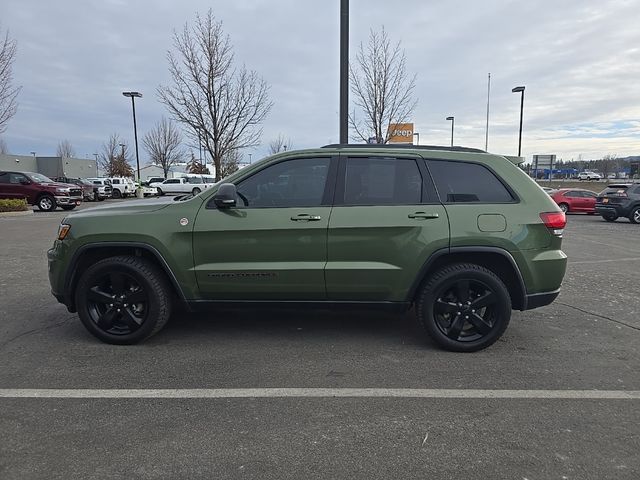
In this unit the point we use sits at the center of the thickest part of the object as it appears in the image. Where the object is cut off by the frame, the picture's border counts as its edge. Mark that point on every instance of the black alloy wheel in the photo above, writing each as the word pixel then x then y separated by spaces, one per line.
pixel 123 300
pixel 464 307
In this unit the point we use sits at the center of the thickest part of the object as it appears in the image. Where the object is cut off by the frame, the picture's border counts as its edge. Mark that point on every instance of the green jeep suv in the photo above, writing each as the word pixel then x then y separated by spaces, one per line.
pixel 462 235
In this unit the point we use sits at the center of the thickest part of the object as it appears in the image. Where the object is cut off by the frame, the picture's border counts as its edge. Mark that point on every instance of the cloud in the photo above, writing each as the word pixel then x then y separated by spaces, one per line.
pixel 578 59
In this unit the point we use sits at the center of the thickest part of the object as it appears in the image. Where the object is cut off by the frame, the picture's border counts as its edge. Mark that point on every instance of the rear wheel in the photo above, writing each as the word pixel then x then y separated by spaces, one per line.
pixel 46 203
pixel 464 307
pixel 634 216
pixel 564 207
pixel 195 191
pixel 610 218
pixel 123 300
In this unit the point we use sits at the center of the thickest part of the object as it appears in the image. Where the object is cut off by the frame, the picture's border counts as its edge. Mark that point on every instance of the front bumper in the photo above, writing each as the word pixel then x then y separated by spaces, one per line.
pixel 64 200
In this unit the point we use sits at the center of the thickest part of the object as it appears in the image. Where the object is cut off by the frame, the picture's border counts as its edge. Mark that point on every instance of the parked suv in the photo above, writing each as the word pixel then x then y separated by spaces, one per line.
pixel 462 235
pixel 619 200
pixel 39 190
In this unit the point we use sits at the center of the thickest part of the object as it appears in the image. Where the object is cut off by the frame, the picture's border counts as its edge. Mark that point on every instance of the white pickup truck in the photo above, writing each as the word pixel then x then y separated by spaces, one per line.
pixel 193 185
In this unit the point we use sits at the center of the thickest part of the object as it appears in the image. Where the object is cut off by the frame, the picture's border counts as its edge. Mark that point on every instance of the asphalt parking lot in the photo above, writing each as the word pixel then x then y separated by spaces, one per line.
pixel 587 340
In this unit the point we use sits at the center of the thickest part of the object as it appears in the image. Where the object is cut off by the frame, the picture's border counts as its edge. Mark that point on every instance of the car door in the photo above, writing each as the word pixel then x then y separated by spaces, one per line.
pixel 273 244
pixel 385 223
pixel 171 185
pixel 589 201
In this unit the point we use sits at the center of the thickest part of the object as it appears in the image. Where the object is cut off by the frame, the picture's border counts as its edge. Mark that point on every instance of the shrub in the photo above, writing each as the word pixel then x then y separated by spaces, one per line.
pixel 13 205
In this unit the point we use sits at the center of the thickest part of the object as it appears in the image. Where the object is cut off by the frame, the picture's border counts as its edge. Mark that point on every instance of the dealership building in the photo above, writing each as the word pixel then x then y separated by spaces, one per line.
pixel 50 166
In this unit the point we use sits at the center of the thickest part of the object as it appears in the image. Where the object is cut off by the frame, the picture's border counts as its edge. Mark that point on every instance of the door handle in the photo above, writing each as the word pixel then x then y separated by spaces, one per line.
pixel 305 217
pixel 423 215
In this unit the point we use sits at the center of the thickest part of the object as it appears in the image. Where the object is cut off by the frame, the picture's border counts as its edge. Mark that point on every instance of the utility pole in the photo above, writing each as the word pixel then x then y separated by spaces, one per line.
pixel 486 134
pixel 344 71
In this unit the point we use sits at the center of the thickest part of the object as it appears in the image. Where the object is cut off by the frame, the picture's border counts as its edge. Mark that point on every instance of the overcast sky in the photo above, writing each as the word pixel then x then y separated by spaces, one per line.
pixel 579 61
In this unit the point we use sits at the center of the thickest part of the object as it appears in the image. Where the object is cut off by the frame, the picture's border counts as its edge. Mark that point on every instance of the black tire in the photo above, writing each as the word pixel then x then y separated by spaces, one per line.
pixel 195 191
pixel 610 218
pixel 67 207
pixel 123 300
pixel 160 192
pixel 46 203
pixel 115 193
pixel 634 216
pixel 101 199
pixel 564 207
pixel 451 321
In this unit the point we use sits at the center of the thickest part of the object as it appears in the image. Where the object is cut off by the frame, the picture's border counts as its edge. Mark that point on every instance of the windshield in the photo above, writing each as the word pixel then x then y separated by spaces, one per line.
pixel 40 178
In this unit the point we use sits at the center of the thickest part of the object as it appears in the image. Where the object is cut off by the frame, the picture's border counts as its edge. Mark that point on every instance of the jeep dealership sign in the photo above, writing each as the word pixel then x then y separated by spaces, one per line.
pixel 401 133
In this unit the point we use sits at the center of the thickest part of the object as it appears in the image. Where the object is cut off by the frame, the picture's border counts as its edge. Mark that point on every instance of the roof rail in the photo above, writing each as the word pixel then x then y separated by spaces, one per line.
pixel 401 146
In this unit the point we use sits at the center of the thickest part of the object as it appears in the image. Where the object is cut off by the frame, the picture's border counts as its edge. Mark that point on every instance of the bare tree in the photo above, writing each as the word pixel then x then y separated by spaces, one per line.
pixel 230 163
pixel 8 93
pixel 196 166
pixel 114 158
pixel 4 149
pixel 381 88
pixel 65 149
pixel 221 104
pixel 162 144
pixel 279 144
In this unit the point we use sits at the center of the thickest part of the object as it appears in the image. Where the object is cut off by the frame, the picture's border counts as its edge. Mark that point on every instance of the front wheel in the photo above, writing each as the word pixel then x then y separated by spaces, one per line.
pixel 123 300
pixel 46 203
pixel 464 307
pixel 195 191
pixel 610 218
pixel 116 193
pixel 160 192
pixel 634 216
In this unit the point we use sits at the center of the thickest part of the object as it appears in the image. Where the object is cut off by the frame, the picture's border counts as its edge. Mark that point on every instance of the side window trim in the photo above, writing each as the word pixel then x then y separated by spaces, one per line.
pixel 514 195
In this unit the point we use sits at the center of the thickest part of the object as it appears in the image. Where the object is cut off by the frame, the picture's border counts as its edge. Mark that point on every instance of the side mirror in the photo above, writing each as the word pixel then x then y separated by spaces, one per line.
pixel 226 196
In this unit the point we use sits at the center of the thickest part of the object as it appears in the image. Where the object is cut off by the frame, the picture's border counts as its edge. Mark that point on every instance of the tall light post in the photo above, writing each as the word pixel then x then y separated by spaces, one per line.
pixel 452 122
pixel 96 156
pixel 133 96
pixel 249 159
pixel 521 91
pixel 418 139
pixel 122 152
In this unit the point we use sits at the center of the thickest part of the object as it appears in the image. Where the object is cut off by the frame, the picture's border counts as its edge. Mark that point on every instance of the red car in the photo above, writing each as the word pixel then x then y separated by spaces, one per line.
pixel 575 200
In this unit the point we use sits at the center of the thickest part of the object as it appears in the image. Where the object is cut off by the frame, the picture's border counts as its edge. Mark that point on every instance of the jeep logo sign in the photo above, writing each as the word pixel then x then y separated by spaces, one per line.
pixel 401 133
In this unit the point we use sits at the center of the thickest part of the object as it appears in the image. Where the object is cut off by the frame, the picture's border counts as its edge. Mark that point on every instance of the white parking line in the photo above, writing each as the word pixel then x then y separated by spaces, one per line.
pixel 62 393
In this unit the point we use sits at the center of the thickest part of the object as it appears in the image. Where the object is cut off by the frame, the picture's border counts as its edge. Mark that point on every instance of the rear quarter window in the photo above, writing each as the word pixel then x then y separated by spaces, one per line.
pixel 464 182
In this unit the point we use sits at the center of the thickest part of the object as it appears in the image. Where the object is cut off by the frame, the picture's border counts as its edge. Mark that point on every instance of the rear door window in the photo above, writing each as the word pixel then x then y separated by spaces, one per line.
pixel 382 181
pixel 465 182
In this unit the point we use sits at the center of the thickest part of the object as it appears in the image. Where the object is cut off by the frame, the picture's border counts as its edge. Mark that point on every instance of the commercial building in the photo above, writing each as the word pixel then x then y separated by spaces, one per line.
pixel 50 166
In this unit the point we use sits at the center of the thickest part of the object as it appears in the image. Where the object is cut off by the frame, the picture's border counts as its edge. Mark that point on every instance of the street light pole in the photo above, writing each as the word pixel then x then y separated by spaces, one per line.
pixel 452 122
pixel 96 156
pixel 521 91
pixel 133 96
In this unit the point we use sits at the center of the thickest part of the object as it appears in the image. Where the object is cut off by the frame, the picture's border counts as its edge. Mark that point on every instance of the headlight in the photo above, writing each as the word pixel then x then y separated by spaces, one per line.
pixel 63 229
pixel 63 190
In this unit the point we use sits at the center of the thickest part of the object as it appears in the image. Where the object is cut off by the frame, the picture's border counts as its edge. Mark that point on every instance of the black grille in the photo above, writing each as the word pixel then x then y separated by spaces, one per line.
pixel 75 192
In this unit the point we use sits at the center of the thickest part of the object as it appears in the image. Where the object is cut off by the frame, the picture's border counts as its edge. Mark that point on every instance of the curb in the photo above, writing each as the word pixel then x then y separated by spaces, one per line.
pixel 16 214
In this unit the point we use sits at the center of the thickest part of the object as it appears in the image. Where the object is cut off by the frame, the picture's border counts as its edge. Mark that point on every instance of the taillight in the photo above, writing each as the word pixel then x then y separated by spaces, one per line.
pixel 555 222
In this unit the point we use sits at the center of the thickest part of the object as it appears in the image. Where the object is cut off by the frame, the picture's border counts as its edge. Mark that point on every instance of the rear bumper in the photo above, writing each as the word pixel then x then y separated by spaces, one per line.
pixel 535 300
pixel 611 209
